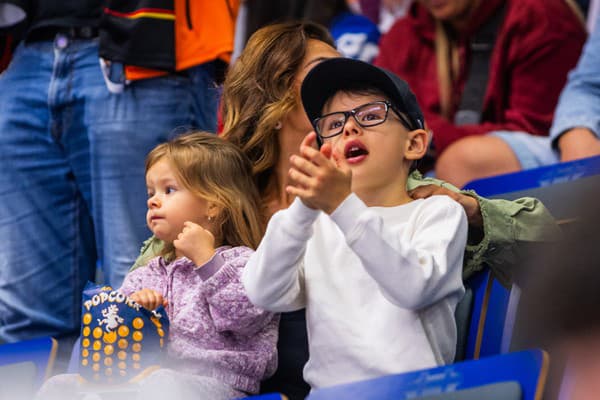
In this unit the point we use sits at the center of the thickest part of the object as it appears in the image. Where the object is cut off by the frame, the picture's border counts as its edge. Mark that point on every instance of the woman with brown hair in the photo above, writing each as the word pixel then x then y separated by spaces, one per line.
pixel 261 107
pixel 264 116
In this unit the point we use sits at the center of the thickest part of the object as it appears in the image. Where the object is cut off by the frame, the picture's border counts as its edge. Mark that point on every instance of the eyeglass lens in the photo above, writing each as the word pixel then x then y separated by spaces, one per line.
pixel 366 115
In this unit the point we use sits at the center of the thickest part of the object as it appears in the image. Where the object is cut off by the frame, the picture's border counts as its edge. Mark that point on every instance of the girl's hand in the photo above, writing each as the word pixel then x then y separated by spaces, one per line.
pixel 317 178
pixel 149 299
pixel 196 243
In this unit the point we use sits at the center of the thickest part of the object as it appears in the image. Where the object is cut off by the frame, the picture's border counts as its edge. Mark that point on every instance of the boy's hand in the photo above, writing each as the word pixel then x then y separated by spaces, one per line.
pixel 196 243
pixel 149 299
pixel 318 178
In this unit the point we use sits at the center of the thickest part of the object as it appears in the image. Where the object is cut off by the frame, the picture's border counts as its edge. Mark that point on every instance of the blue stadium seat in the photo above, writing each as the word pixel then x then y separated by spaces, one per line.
pixel 561 187
pixel 489 378
pixel 73 367
pixel 17 380
pixel 486 331
pixel 536 178
pixel 30 360
pixel 266 396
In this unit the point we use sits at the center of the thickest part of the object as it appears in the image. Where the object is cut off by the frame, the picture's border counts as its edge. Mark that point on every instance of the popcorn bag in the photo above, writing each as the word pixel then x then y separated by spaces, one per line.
pixel 121 341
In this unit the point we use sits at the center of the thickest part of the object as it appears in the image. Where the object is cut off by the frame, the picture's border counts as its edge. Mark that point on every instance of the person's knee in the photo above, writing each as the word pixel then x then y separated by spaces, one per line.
pixel 476 157
pixel 459 158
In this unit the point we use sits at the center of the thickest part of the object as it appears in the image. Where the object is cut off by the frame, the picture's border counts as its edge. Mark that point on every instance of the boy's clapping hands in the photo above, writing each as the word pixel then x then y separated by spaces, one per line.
pixel 318 177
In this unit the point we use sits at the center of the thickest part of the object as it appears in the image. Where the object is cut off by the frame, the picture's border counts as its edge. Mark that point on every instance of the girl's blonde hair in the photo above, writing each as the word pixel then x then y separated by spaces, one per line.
pixel 259 92
pixel 218 172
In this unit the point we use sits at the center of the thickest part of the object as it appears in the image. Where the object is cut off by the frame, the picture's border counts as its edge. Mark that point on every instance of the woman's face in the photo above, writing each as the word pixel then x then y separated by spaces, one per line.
pixel 316 51
pixel 449 10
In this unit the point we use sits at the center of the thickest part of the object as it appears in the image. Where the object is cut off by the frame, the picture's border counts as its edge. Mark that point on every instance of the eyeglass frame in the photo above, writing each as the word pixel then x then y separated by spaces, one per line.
pixel 388 105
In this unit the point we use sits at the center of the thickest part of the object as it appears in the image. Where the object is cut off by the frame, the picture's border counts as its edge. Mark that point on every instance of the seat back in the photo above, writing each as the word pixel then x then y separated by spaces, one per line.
pixel 17 380
pixel 561 187
pixel 73 367
pixel 488 315
pixel 509 390
pixel 568 191
pixel 39 352
pixel 462 316
pixel 266 396
pixel 528 368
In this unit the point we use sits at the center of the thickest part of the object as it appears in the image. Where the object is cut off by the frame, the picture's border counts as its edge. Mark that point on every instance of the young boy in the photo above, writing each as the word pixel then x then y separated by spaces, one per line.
pixel 378 273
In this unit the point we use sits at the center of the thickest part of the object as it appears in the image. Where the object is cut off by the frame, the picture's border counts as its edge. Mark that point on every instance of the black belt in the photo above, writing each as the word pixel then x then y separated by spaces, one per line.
pixel 50 32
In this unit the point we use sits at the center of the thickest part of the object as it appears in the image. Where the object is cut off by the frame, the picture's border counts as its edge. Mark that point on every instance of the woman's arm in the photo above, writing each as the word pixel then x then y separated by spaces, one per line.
pixel 497 227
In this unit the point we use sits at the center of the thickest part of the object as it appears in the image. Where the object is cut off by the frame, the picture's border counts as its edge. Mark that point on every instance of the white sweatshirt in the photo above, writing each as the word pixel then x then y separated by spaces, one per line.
pixel 380 284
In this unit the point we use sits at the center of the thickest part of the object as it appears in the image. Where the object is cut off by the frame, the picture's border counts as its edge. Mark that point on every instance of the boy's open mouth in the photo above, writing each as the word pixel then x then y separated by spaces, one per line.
pixel 355 151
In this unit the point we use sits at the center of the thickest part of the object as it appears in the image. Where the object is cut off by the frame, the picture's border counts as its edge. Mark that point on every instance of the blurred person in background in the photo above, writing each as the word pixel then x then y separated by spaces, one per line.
pixel 487 73
pixel 356 35
pixel 575 131
pixel 559 307
pixel 91 88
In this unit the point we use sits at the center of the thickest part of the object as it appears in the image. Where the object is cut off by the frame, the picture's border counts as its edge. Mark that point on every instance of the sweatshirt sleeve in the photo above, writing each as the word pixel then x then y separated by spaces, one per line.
pixel 417 265
pixel 228 304
pixel 274 276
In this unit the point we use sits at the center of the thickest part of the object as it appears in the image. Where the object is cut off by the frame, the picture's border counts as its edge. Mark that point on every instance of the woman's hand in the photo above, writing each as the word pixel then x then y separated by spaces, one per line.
pixel 149 299
pixel 470 204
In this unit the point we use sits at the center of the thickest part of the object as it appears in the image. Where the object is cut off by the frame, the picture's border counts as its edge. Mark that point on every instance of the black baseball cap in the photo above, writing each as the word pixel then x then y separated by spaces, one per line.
pixel 335 74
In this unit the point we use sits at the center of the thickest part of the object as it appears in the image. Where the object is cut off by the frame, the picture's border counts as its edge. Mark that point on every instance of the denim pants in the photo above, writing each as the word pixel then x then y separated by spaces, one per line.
pixel 72 186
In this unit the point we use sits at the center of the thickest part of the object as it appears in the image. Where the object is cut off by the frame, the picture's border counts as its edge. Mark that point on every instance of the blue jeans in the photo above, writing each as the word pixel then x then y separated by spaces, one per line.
pixel 72 186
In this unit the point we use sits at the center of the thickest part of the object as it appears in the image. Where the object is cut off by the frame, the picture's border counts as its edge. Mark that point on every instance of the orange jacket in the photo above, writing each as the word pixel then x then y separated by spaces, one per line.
pixel 167 36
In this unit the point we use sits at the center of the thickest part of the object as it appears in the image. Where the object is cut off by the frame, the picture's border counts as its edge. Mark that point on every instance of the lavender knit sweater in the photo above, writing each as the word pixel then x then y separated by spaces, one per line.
pixel 215 330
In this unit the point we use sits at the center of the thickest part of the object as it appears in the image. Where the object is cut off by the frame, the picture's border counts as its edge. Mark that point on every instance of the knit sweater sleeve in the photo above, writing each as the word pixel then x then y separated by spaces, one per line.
pixel 140 278
pixel 274 276
pixel 228 304
pixel 416 264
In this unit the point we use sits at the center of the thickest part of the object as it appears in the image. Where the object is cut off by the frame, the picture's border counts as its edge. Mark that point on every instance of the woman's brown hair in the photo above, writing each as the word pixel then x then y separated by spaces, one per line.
pixel 218 172
pixel 259 92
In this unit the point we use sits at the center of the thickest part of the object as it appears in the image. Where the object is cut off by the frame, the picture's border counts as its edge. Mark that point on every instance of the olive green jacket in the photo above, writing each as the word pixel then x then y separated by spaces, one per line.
pixel 507 226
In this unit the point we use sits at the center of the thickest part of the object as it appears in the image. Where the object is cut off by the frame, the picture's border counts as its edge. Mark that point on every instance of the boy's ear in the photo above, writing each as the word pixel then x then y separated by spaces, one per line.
pixel 416 144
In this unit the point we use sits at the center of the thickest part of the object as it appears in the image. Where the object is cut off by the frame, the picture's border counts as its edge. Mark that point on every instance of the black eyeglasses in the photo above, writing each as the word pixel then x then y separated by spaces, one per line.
pixel 370 114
